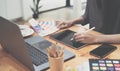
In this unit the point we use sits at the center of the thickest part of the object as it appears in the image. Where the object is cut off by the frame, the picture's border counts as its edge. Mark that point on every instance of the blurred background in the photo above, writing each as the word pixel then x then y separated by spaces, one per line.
pixel 19 11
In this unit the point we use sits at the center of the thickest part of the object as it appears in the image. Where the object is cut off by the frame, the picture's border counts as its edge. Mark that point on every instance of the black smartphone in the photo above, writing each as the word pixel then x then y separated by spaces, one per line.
pixel 103 50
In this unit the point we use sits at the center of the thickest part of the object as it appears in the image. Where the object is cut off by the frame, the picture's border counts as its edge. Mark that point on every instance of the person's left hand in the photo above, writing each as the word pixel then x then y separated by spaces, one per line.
pixel 63 24
pixel 85 38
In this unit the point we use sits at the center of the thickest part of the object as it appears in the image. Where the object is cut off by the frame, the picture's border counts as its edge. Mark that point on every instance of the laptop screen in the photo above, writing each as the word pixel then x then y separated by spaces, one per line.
pixel 12 42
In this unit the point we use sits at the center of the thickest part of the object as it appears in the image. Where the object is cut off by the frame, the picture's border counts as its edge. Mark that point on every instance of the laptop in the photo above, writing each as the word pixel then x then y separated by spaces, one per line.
pixel 23 49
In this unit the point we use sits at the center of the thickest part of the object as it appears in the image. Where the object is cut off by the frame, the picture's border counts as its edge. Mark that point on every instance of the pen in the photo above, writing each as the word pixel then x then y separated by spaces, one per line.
pixel 85 31
pixel 89 29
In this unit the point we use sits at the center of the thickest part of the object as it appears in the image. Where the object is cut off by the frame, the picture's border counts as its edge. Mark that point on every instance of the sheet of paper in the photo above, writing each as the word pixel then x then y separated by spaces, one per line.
pixel 83 28
pixel 44 27
pixel 83 67
pixel 48 27
pixel 87 26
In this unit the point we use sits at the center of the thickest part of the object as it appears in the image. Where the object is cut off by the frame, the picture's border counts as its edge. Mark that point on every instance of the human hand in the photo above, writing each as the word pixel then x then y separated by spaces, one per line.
pixel 85 38
pixel 63 24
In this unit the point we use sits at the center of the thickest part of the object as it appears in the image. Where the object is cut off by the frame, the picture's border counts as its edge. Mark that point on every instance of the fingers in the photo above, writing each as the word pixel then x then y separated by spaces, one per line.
pixel 61 24
pixel 79 37
pixel 84 38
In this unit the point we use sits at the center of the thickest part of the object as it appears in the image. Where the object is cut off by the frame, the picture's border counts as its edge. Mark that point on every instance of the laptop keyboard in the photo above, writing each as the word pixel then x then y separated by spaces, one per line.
pixel 38 57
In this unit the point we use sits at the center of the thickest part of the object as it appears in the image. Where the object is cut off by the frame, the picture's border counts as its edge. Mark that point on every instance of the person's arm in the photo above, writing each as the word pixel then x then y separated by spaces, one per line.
pixel 77 20
pixel 103 38
pixel 84 19
pixel 65 24
pixel 108 38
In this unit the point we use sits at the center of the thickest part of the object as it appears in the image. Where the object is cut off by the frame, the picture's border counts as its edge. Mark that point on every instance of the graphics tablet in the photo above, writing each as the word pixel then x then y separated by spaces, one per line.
pixel 65 38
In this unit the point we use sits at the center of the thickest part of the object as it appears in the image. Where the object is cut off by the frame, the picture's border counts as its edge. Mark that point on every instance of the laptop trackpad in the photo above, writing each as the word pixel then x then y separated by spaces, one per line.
pixel 38 42
pixel 42 45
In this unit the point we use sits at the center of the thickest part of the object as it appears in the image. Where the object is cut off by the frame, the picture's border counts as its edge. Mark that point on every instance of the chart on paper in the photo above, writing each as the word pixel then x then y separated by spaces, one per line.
pixel 44 28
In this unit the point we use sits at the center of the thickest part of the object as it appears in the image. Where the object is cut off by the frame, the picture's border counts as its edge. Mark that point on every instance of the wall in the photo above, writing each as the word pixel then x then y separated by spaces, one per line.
pixel 3 8
pixel 46 5
pixel 10 9
pixel 79 7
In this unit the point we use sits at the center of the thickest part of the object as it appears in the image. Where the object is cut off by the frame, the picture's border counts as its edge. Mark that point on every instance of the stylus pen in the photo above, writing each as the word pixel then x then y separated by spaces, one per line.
pixel 85 31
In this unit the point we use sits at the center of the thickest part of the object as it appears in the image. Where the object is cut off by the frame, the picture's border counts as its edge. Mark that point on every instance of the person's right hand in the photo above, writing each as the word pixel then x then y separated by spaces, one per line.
pixel 86 38
pixel 63 24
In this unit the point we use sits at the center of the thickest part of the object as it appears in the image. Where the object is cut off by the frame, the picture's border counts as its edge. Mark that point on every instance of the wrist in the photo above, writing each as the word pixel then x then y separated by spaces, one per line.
pixel 100 39
pixel 71 23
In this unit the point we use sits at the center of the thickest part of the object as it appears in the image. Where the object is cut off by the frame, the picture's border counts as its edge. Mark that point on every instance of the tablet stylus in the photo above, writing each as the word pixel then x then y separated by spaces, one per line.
pixel 85 32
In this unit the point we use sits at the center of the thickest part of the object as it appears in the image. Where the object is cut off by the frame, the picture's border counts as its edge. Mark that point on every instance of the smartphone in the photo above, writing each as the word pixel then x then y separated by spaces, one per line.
pixel 103 50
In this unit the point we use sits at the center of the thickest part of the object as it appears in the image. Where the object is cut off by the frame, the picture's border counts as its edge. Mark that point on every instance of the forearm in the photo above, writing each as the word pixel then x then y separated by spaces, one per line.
pixel 108 38
pixel 77 21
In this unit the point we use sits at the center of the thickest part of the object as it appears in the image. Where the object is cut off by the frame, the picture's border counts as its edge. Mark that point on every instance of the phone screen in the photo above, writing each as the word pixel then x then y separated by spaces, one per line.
pixel 103 50
pixel 65 38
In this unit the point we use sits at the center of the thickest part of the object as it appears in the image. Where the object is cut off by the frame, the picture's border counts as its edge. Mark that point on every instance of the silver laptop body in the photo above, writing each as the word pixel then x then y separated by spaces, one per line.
pixel 13 43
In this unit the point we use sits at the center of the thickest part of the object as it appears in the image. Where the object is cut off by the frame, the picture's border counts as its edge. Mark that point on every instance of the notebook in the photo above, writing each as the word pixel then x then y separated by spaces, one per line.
pixel 12 41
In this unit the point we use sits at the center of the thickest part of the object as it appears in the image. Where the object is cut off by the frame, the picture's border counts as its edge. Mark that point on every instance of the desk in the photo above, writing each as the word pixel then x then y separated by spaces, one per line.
pixel 9 63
